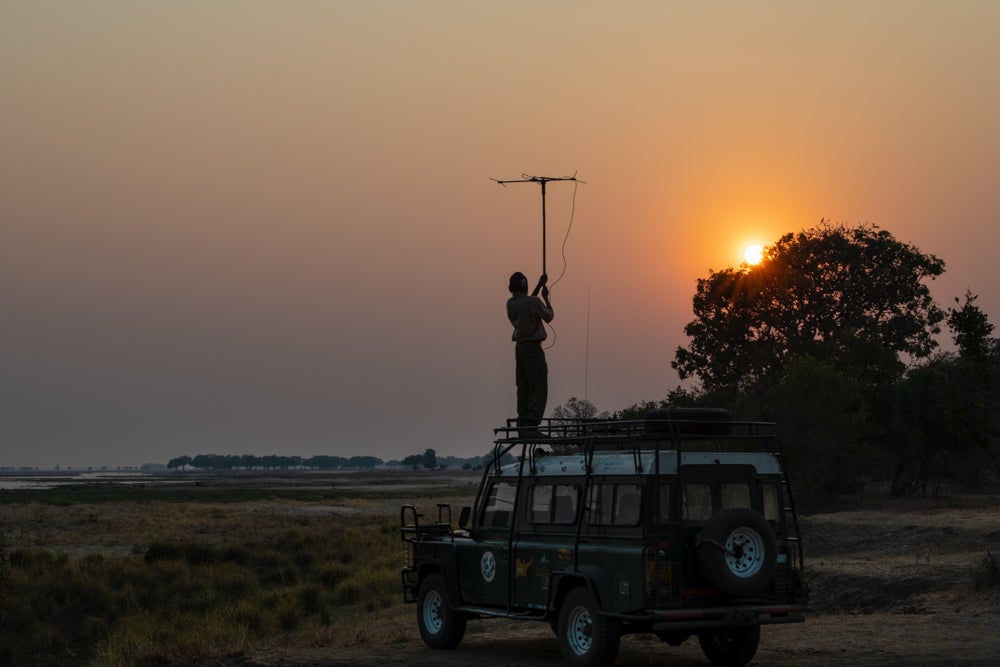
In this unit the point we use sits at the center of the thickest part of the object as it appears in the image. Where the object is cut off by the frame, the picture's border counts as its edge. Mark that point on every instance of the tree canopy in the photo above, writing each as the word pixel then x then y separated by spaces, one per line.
pixel 823 291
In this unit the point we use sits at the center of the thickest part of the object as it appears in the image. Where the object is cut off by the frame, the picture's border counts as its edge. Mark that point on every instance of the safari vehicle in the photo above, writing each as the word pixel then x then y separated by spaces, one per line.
pixel 679 524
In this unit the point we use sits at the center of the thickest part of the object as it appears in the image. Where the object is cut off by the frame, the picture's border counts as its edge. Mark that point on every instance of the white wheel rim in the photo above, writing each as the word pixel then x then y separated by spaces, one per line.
pixel 745 552
pixel 580 631
pixel 432 612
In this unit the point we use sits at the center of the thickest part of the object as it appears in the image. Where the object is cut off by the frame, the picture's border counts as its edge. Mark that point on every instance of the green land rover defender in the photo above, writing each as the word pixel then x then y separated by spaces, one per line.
pixel 679 524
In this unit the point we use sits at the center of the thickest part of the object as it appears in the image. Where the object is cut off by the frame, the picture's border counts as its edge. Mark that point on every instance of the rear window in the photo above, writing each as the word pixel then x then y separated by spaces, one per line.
pixel 735 495
pixel 615 504
pixel 697 501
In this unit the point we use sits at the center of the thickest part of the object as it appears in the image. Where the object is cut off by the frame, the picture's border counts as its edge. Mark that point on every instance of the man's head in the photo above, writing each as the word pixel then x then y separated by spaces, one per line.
pixel 518 283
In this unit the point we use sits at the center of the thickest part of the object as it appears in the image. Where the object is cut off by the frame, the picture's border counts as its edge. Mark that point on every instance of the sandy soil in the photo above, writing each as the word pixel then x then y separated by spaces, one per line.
pixel 891 584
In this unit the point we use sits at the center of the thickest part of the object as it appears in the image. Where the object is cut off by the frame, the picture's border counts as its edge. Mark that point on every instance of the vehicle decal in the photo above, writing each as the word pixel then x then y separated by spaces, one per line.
pixel 488 566
pixel 522 567
pixel 565 554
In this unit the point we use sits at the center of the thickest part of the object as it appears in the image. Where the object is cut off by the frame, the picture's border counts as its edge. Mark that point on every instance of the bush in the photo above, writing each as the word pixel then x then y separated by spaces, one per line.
pixel 986 574
pixel 190 600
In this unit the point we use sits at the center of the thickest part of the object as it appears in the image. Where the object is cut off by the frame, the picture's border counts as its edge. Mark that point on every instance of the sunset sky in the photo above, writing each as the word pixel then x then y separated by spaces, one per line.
pixel 269 227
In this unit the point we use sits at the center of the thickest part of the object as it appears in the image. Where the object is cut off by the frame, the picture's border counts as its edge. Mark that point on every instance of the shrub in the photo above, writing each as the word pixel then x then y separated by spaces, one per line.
pixel 188 600
pixel 986 574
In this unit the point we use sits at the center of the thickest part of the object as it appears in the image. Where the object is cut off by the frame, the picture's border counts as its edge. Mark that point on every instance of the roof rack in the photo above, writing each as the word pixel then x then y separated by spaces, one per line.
pixel 669 424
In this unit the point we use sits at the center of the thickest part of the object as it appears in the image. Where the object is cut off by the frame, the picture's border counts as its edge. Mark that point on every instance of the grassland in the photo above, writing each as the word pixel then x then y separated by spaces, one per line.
pixel 174 572
pixel 268 570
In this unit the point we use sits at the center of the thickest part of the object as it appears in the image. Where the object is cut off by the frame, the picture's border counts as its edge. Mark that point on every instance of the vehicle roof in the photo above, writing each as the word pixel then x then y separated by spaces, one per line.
pixel 637 463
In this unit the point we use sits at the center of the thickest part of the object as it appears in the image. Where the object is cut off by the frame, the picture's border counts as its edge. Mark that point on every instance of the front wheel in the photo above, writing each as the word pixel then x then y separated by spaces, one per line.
pixel 585 637
pixel 440 626
pixel 730 646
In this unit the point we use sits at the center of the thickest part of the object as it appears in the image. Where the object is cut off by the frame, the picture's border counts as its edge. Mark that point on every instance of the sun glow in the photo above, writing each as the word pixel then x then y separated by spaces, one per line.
pixel 753 254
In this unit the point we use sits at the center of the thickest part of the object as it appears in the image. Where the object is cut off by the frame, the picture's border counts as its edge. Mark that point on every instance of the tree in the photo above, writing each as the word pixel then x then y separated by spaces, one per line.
pixel 970 328
pixel 577 409
pixel 813 292
pixel 976 391
pixel 414 461
pixel 179 462
pixel 430 459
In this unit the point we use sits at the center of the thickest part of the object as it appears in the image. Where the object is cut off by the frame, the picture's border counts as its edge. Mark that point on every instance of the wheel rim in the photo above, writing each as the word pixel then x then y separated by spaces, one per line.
pixel 432 612
pixel 579 632
pixel 745 553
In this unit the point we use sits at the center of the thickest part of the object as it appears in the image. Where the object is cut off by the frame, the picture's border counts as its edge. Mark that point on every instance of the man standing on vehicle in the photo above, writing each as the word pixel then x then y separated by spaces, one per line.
pixel 528 314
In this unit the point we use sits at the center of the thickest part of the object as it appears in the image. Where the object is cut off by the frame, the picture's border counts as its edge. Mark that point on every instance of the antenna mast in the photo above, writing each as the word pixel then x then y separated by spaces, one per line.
pixel 543 180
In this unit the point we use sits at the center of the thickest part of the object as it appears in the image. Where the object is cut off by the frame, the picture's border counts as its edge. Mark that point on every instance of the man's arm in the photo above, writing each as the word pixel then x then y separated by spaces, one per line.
pixel 547 312
pixel 542 280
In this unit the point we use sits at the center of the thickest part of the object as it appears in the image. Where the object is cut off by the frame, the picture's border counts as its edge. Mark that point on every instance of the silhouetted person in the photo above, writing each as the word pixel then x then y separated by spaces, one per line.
pixel 528 314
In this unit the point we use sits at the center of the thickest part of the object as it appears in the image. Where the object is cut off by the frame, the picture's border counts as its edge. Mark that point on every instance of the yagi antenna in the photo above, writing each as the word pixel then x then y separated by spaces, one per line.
pixel 543 180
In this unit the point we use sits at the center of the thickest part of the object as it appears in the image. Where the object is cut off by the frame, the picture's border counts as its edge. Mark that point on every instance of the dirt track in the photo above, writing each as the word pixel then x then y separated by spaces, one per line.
pixel 876 639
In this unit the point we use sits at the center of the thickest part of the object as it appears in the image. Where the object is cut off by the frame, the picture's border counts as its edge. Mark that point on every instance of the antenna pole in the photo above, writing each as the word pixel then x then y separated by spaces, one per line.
pixel 544 254
pixel 543 180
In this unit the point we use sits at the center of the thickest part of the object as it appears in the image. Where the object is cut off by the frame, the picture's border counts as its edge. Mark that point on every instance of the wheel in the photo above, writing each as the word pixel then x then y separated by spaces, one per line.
pixel 737 551
pixel 440 626
pixel 586 637
pixel 730 646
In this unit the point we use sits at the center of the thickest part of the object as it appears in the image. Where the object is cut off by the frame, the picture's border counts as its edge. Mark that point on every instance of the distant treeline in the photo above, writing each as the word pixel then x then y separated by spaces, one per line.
pixel 319 462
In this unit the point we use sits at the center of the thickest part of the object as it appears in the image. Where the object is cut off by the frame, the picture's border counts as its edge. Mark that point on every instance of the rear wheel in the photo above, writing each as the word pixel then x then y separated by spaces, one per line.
pixel 730 646
pixel 440 626
pixel 586 637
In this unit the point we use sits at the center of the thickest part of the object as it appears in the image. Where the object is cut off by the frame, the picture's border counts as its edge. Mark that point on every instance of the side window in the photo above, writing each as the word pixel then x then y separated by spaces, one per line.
pixel 735 495
pixel 697 501
pixel 615 504
pixel 553 503
pixel 627 505
pixel 602 504
pixel 771 507
pixel 499 507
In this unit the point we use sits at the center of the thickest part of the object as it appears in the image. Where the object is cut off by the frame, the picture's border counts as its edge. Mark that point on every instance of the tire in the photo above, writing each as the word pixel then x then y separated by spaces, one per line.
pixel 441 627
pixel 585 636
pixel 730 646
pixel 737 552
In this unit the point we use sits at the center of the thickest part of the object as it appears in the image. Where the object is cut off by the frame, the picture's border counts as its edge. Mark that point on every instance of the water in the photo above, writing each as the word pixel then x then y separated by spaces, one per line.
pixel 12 481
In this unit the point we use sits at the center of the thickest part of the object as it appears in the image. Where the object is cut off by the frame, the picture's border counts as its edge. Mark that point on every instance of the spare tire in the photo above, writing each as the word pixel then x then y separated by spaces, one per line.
pixel 737 551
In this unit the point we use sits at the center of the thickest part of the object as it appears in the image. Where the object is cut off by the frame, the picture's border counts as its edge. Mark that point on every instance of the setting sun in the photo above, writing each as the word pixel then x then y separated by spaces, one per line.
pixel 753 254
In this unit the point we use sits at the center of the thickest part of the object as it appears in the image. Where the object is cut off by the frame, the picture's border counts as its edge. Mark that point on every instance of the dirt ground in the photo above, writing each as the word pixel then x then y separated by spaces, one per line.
pixel 891 584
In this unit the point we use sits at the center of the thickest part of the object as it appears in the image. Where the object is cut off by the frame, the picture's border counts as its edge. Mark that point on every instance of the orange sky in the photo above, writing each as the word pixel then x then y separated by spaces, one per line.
pixel 257 227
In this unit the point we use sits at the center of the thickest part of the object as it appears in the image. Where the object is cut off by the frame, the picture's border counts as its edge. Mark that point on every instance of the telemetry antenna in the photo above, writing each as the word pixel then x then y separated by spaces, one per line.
pixel 543 180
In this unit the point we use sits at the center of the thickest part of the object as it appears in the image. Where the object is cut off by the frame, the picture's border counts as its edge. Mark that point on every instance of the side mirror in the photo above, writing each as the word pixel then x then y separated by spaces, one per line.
pixel 463 518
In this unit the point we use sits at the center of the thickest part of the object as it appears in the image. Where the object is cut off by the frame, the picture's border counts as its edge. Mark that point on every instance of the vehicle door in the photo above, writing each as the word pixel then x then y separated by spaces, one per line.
pixel 484 564
pixel 545 539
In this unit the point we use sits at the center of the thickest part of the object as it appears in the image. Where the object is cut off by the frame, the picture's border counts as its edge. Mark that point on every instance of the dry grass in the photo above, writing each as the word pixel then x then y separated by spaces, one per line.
pixel 162 581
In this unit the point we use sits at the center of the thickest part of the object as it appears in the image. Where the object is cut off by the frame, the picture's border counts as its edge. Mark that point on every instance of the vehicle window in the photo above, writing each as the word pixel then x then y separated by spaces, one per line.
pixel 735 495
pixel 553 503
pixel 664 509
pixel 627 504
pixel 770 492
pixel 697 501
pixel 615 504
pixel 499 507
